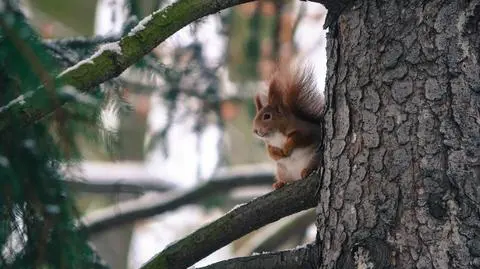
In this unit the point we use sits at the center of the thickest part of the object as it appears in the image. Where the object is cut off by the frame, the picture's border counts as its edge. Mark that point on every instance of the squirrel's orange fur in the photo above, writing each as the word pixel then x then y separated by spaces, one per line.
pixel 288 121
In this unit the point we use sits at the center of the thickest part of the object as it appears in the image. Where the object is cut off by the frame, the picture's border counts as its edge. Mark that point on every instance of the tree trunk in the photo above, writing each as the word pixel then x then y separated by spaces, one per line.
pixel 402 147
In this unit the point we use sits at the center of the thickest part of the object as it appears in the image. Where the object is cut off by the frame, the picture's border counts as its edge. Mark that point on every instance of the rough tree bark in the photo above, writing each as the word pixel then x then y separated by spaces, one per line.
pixel 402 171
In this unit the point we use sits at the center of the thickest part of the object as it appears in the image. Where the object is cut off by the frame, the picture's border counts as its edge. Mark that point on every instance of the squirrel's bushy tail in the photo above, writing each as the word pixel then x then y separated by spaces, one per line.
pixel 300 91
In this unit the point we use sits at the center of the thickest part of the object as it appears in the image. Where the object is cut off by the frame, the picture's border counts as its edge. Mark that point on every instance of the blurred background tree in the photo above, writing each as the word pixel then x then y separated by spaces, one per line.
pixel 176 117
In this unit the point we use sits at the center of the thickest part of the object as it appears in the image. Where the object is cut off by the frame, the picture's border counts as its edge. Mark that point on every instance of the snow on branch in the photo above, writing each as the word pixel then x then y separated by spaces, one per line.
pixel 151 205
pixel 305 257
pixel 292 198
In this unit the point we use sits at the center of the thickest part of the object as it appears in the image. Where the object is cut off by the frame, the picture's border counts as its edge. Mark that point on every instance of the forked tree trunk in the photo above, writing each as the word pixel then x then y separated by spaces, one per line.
pixel 402 159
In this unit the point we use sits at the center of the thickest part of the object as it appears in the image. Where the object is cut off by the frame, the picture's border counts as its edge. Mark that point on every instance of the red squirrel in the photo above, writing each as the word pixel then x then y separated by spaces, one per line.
pixel 288 120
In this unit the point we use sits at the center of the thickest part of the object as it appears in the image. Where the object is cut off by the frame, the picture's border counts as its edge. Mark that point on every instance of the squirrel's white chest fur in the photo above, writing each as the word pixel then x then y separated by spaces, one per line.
pixel 276 140
pixel 296 162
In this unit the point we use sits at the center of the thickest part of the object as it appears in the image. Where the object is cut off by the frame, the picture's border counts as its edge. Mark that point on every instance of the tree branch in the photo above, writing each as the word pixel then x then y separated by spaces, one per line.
pixel 113 58
pixel 144 207
pixel 292 198
pixel 113 177
pixel 127 177
pixel 119 185
pixel 305 257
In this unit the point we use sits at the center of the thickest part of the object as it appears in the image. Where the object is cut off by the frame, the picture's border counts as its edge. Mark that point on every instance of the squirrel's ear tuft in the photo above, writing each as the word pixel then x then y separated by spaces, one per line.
pixel 275 96
pixel 260 101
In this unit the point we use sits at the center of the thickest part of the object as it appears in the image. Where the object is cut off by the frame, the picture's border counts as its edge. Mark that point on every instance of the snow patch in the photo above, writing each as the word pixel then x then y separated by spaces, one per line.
pixel 75 66
pixel 236 206
pixel 4 161
pixel 300 247
pixel 113 47
pixel 19 100
pixel 141 25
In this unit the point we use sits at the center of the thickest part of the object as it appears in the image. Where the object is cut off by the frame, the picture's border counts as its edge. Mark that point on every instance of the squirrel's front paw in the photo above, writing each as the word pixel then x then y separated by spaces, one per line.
pixel 277 185
pixel 286 152
pixel 275 153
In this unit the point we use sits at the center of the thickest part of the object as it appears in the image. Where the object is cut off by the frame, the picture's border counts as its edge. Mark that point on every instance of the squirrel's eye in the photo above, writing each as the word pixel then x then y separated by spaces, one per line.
pixel 267 116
